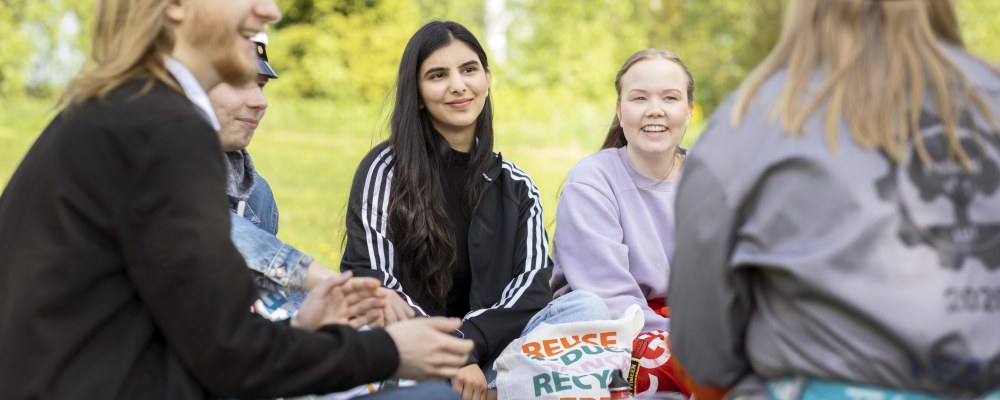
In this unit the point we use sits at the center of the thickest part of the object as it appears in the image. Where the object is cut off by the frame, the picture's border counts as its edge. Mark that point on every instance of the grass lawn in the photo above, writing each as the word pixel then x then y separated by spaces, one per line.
pixel 308 151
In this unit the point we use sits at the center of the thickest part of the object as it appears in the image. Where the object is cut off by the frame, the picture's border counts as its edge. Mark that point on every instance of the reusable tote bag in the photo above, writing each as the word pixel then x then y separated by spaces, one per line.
pixel 571 360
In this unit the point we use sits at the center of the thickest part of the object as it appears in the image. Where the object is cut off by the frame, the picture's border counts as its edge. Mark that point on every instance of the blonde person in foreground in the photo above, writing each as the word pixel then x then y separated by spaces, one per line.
pixel 838 229
pixel 118 278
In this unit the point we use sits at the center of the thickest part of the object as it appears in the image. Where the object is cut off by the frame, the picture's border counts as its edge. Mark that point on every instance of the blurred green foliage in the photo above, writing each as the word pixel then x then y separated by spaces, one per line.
pixel 348 50
pixel 337 59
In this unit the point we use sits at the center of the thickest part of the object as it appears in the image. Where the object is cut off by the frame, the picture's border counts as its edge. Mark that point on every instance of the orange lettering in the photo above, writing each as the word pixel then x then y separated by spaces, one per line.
pixel 567 345
pixel 532 348
pixel 551 346
pixel 589 338
pixel 608 339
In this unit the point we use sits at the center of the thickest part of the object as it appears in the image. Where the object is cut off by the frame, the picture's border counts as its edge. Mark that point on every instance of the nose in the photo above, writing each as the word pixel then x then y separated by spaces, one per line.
pixel 656 109
pixel 267 11
pixel 457 84
pixel 256 100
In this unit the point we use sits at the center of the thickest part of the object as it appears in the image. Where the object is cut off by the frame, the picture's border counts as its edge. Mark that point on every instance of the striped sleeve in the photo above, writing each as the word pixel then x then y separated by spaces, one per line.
pixel 528 291
pixel 536 245
pixel 368 251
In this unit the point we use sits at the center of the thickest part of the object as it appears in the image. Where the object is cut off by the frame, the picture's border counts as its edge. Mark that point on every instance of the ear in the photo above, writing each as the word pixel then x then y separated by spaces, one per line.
pixel 176 11
pixel 618 112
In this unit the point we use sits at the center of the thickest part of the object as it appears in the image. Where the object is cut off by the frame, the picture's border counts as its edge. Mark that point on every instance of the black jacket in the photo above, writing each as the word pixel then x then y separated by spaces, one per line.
pixel 508 250
pixel 118 278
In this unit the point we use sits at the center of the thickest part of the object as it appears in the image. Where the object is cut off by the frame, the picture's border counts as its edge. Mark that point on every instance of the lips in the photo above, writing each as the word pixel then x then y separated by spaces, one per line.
pixel 460 103
pixel 654 128
pixel 250 122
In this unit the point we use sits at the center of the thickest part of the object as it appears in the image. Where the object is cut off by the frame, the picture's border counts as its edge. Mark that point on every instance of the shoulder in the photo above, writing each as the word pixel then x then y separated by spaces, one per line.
pixel 139 115
pixel 599 170
pixel 981 74
pixel 516 179
pixel 379 156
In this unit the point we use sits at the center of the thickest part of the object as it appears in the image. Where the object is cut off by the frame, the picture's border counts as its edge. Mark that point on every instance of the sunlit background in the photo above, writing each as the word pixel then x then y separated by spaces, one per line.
pixel 553 63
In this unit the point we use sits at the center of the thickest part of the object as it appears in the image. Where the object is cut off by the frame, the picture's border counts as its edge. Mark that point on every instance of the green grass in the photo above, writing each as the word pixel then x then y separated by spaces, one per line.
pixel 308 151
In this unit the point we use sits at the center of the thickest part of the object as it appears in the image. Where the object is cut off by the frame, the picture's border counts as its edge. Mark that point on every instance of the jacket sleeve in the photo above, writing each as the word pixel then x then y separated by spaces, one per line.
pixel 368 250
pixel 491 329
pixel 710 304
pixel 590 250
pixel 274 265
pixel 174 235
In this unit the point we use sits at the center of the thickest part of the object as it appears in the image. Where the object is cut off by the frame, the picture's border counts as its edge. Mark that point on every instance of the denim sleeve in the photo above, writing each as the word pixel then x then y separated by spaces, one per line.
pixel 276 266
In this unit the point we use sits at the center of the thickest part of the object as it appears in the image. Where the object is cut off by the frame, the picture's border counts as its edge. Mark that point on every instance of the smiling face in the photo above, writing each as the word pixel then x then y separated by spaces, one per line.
pixel 239 109
pixel 453 88
pixel 654 110
pixel 213 37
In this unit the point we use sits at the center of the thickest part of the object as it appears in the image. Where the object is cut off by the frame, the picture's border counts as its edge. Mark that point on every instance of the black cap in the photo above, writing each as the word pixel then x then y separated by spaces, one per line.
pixel 263 68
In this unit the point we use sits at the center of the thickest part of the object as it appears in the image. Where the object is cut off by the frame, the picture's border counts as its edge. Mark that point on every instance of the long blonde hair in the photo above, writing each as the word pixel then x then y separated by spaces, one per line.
pixel 130 39
pixel 878 59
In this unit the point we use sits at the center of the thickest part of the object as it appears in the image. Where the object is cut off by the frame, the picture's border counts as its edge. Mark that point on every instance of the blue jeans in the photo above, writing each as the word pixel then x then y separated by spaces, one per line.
pixel 575 306
pixel 423 390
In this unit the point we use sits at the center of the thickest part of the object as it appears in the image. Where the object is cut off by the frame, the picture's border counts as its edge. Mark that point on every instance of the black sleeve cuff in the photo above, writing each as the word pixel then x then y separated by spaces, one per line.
pixel 481 350
pixel 380 357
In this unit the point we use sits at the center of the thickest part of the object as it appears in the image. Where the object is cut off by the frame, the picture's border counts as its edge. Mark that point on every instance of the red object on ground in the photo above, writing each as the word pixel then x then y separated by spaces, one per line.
pixel 651 368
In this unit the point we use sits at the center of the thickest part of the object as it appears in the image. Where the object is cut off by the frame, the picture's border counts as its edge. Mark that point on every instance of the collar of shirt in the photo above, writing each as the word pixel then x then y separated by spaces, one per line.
pixel 193 90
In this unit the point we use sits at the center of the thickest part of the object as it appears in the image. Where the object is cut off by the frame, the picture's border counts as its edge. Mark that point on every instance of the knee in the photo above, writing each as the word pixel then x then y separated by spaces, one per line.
pixel 585 303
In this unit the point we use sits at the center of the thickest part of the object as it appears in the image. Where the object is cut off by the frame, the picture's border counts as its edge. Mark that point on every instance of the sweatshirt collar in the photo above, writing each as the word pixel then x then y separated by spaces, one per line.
pixel 193 90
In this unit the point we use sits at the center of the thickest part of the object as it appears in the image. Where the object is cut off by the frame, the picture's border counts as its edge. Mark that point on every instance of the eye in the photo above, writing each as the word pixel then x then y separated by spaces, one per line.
pixel 470 69
pixel 437 75
pixel 671 98
pixel 639 98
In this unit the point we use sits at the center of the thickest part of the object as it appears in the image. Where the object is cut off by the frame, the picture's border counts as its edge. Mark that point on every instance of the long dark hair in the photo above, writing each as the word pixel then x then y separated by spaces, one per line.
pixel 616 135
pixel 418 223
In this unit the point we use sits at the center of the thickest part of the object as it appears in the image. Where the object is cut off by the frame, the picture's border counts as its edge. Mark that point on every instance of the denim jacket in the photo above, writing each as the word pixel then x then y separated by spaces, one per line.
pixel 278 269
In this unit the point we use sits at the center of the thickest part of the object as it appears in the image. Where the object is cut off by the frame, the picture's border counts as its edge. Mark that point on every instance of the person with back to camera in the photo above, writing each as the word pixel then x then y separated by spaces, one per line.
pixel 838 228
pixel 118 278
pixel 447 225
pixel 615 231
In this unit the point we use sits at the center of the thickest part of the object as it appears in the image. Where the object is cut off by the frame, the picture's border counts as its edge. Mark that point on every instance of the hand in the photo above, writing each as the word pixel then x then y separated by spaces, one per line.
pixel 315 274
pixel 427 350
pixel 470 383
pixel 396 308
pixel 341 299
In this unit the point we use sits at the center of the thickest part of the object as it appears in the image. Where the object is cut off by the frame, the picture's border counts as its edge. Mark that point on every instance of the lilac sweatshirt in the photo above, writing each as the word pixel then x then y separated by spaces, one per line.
pixel 615 234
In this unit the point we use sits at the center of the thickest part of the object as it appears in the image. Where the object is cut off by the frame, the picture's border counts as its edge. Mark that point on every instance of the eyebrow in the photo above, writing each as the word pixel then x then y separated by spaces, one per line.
pixel 662 91
pixel 439 69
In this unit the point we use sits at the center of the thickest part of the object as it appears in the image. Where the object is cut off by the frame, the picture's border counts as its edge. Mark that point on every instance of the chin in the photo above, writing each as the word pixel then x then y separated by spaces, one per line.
pixel 235 69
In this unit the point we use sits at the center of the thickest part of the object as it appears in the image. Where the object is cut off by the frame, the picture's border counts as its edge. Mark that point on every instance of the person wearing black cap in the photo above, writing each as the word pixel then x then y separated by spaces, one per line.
pixel 282 273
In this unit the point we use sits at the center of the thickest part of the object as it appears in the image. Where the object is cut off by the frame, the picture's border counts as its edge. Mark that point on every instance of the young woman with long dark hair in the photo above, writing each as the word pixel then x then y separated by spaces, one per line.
pixel 447 225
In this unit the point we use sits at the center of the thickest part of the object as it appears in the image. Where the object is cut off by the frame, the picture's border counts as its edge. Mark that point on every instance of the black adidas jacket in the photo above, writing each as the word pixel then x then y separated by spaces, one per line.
pixel 508 250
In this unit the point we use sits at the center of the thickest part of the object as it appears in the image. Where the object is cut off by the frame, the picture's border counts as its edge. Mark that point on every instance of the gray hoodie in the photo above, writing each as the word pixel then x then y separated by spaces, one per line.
pixel 793 259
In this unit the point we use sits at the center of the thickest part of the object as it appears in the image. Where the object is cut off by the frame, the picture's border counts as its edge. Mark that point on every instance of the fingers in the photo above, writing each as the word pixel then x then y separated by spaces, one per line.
pixel 469 392
pixel 445 325
pixel 364 306
pixel 458 385
pixel 371 318
pixel 402 310
pixel 390 313
pixel 443 373
pixel 323 288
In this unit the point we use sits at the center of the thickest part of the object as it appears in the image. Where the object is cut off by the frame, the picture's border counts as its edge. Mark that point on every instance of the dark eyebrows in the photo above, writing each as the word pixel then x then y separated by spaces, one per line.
pixel 433 70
